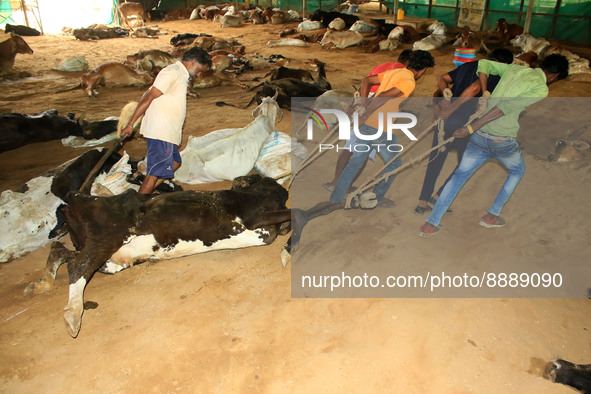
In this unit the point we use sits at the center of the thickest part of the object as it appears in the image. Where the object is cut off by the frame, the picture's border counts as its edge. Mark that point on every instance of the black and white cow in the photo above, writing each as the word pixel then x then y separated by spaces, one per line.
pixel 18 129
pixel 32 215
pixel 113 233
pixel 577 376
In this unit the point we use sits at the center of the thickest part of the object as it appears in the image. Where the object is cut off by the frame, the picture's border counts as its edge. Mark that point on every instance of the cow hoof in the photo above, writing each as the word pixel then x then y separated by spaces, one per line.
pixel 285 257
pixel 368 201
pixel 72 323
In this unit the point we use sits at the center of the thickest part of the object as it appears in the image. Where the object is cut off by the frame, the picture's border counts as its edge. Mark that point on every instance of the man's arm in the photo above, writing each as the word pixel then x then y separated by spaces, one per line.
pixel 367 83
pixel 494 114
pixel 488 67
pixel 468 94
pixel 149 96
pixel 443 82
pixel 377 102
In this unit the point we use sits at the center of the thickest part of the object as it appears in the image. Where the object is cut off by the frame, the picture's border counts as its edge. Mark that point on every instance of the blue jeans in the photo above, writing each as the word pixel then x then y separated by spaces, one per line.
pixel 356 162
pixel 479 150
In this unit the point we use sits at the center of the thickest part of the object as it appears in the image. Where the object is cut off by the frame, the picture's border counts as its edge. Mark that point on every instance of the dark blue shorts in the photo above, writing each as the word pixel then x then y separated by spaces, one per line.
pixel 160 157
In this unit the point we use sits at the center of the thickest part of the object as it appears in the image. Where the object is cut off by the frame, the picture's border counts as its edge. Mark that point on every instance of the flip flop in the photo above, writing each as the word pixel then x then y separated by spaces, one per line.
pixel 328 186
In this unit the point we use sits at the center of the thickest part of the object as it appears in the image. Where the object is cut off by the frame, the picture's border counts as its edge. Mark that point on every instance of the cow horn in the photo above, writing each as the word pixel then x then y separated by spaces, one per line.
pixel 276 94
pixel 80 119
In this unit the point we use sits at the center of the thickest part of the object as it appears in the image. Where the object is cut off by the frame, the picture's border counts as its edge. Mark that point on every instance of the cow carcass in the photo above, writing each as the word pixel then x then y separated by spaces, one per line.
pixel 543 48
pixel 577 376
pixel 328 16
pixel 10 45
pixel 32 214
pixel 146 60
pixel 341 39
pixel 18 129
pixel 229 153
pixel 287 42
pixel 229 20
pixel 21 30
pixel 113 75
pixel 333 99
pixel 115 232
pixel 94 33
pixel 573 147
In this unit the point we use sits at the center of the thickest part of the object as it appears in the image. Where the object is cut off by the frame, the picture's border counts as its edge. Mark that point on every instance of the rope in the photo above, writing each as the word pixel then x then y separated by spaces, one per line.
pixel 315 155
pixel 371 183
pixel 482 106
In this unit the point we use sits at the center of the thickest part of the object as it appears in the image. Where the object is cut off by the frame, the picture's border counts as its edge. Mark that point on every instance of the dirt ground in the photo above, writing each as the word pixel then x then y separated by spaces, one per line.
pixel 226 322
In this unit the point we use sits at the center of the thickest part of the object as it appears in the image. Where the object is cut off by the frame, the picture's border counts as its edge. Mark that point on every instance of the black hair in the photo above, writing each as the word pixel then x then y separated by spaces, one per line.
pixel 420 60
pixel 404 56
pixel 199 55
pixel 502 55
pixel 555 64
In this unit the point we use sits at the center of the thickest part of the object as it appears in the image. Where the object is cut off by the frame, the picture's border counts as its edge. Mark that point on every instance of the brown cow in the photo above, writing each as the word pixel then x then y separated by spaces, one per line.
pixel 112 75
pixel 130 11
pixel 468 39
pixel 10 45
pixel 507 31
pixel 146 60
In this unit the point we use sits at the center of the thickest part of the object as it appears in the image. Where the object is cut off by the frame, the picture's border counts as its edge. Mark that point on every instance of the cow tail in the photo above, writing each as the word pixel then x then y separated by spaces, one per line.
pixel 125 115
pixel 70 89
pixel 223 103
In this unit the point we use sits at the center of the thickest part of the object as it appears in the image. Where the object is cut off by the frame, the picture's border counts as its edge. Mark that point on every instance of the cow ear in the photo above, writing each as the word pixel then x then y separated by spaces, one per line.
pixel 279 115
pixel 256 112
pixel 580 145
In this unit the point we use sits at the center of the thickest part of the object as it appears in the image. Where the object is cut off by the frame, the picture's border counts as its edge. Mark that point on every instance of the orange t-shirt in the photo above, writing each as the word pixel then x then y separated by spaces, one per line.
pixel 401 78
pixel 382 68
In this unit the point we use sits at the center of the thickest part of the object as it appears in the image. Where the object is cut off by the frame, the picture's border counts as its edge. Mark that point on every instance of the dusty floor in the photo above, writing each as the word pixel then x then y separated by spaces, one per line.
pixel 226 322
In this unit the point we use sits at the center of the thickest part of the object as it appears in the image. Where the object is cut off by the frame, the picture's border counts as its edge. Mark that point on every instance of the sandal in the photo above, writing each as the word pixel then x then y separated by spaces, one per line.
pixel 427 229
pixel 421 210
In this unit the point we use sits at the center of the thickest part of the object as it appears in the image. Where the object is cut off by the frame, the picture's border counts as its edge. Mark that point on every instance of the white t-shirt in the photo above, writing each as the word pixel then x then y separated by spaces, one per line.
pixel 165 116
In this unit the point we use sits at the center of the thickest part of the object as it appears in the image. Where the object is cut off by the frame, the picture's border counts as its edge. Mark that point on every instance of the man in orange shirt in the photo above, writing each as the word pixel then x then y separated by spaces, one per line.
pixel 392 84
pixel 347 152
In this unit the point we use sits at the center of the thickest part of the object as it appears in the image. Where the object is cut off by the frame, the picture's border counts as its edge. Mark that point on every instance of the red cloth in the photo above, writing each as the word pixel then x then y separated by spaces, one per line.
pixel 383 68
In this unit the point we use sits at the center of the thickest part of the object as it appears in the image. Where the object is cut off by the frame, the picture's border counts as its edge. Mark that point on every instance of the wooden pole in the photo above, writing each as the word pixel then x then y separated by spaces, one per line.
pixel 530 10
pixel 25 12
pixel 304 8
pixel 395 11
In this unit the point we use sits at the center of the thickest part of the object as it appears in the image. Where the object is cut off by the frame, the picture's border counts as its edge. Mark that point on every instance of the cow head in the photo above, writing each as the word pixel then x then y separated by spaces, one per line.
pixel 569 151
pixel 269 108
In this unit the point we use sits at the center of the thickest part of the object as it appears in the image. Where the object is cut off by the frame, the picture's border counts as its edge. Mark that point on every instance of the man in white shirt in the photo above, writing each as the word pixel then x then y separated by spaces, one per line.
pixel 164 107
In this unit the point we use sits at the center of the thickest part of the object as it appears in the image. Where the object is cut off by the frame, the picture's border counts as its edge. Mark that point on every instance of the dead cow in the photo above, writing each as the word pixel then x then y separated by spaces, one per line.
pixel 572 147
pixel 113 75
pixel 577 376
pixel 252 213
pixel 99 33
pixel 146 60
pixel 341 39
pixel 10 45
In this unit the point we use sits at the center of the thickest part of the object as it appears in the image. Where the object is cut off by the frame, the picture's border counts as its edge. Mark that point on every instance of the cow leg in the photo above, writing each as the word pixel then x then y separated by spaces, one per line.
pixel 57 256
pixel 299 219
pixel 80 270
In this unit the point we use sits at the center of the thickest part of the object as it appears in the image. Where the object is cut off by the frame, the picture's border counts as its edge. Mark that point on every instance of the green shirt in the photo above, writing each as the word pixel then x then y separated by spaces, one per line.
pixel 518 88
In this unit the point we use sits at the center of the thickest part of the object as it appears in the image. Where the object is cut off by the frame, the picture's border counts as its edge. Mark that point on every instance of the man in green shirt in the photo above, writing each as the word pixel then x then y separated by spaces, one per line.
pixel 493 135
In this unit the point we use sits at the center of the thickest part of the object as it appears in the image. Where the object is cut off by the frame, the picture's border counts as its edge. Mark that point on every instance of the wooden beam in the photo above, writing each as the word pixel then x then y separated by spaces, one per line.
pixel 555 17
pixel 530 10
